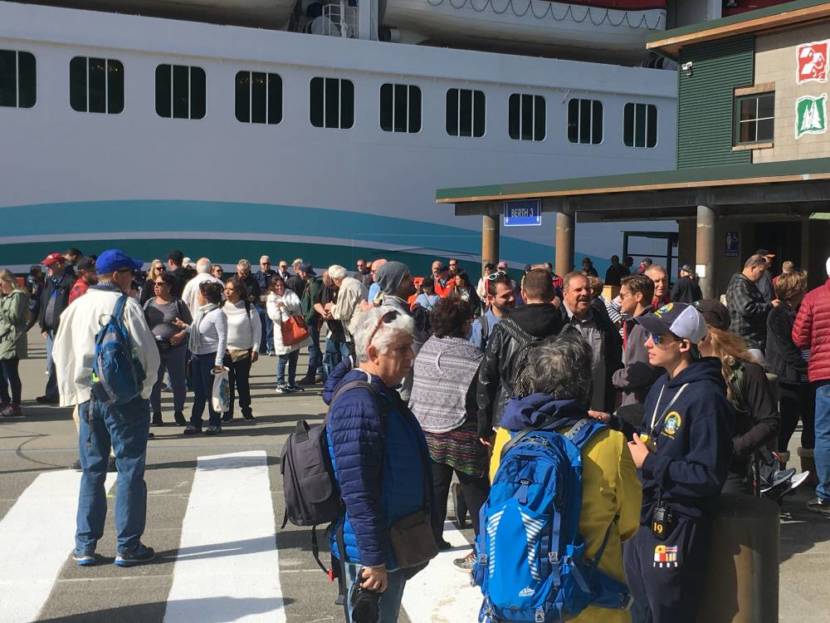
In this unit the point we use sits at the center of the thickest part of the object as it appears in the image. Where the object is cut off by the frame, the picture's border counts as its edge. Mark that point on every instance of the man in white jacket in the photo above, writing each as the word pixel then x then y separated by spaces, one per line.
pixel 191 289
pixel 350 294
pixel 124 428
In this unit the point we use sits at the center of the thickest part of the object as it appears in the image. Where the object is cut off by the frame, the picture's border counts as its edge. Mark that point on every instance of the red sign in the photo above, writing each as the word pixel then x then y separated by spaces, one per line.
pixel 812 62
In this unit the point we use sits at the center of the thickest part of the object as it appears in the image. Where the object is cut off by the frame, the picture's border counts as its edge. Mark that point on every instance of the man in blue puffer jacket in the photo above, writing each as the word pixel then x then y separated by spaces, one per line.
pixel 379 455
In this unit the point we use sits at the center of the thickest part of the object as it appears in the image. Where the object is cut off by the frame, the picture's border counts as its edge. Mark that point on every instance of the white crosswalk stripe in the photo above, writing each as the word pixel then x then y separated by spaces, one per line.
pixel 441 593
pixel 227 562
pixel 36 536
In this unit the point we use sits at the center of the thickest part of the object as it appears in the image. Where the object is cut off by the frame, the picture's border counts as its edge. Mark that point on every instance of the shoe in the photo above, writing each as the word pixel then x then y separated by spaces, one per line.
pixel 190 429
pixel 283 389
pixel 465 564
pixel 306 381
pixel 817 505
pixel 11 411
pixel 249 418
pixel 227 417
pixel 179 417
pixel 111 466
pixel 84 559
pixel 151 435
pixel 3 407
pixel 46 400
pixel 139 556
pixel 213 430
pixel 798 480
pixel 271 354
pixel 295 388
pixel 76 465
pixel 156 421
pixel 444 545
pixel 778 480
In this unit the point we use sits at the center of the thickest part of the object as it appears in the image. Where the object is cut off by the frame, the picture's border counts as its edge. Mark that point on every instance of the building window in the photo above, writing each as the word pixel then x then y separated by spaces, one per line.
pixel 526 117
pixel 180 92
pixel 332 103
pixel 258 97
pixel 17 79
pixel 585 121
pixel 96 85
pixel 465 112
pixel 755 115
pixel 640 125
pixel 400 108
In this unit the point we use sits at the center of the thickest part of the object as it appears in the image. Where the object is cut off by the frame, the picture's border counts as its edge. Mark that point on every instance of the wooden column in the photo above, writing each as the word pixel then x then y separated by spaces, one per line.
pixel 489 239
pixel 565 230
pixel 705 250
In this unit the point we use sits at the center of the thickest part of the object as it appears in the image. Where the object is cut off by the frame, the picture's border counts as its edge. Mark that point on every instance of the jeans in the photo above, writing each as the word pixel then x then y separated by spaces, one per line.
pixel 474 489
pixel 201 377
pixel 336 352
pixel 290 359
pixel 266 344
pixel 239 373
pixel 390 600
pixel 52 383
pixel 315 355
pixel 174 361
pixel 10 385
pixel 123 428
pixel 822 449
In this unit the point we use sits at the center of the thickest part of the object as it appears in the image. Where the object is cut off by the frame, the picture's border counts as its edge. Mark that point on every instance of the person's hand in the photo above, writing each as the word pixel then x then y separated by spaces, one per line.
pixel 485 442
pixel 328 307
pixel 776 302
pixel 218 369
pixel 179 323
pixel 639 450
pixel 375 578
pixel 599 415
pixel 254 356
pixel 44 333
pixel 176 339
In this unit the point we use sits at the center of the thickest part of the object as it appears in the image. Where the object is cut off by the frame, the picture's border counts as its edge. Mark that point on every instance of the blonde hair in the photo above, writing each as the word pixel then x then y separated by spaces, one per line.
pixel 152 273
pixel 730 348
pixel 8 277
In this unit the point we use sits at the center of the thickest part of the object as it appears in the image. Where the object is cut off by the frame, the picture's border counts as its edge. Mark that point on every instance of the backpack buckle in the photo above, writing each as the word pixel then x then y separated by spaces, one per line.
pixel 540 616
pixel 553 558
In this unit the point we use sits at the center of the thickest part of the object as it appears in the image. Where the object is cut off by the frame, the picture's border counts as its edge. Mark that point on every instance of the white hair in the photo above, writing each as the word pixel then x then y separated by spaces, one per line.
pixel 203 265
pixel 265 258
pixel 337 272
pixel 370 325
pixel 243 263
pixel 299 260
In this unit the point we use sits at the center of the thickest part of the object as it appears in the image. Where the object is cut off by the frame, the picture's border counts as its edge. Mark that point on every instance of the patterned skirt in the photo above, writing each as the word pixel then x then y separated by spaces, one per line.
pixel 460 449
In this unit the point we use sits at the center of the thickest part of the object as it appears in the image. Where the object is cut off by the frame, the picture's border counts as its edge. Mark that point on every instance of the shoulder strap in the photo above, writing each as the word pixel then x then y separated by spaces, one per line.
pixel 485 330
pixel 118 312
pixel 583 430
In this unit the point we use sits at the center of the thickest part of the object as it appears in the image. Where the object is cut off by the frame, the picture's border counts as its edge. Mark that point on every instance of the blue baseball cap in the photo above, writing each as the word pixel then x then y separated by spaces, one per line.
pixel 115 259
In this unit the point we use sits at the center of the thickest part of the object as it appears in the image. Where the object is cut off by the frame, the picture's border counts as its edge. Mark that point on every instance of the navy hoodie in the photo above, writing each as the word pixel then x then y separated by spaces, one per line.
pixel 691 442
pixel 534 410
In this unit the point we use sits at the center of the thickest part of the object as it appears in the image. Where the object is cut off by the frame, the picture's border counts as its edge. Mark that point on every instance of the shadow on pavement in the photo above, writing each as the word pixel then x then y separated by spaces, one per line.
pixel 204 610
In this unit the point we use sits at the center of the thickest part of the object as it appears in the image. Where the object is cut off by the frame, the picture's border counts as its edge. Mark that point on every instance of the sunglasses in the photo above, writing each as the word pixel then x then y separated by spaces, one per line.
pixel 159 284
pixel 385 319
pixel 665 338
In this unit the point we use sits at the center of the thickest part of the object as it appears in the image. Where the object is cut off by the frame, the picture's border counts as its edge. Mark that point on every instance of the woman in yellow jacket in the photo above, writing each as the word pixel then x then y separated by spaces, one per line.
pixel 556 385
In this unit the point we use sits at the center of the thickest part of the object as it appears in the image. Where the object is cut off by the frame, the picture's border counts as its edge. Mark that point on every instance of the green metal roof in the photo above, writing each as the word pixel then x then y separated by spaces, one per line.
pixel 701 177
pixel 735 19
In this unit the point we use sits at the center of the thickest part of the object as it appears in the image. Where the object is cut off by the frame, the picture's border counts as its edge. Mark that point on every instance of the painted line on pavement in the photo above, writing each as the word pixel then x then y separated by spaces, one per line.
pixel 441 593
pixel 36 537
pixel 227 565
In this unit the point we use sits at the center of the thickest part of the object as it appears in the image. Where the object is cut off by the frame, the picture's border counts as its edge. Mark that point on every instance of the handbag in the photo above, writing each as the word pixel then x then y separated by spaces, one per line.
pixel 413 540
pixel 294 330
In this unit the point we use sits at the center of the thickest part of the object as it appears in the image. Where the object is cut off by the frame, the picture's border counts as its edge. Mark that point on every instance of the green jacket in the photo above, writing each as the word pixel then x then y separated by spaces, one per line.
pixel 313 288
pixel 14 312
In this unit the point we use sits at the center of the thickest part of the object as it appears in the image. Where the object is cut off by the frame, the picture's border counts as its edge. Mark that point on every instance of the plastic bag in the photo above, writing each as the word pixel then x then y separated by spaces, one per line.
pixel 221 395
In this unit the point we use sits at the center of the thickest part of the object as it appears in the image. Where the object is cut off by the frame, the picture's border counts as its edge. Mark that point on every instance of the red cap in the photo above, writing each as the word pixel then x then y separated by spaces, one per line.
pixel 53 258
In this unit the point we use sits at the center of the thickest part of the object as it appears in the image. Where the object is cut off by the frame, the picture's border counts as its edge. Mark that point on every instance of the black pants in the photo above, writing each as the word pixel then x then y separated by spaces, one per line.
pixel 474 489
pixel 10 385
pixel 666 576
pixel 797 401
pixel 239 373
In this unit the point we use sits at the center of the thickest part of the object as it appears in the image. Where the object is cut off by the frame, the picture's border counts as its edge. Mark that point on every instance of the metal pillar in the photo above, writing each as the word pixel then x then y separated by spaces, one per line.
pixel 489 240
pixel 805 242
pixel 565 230
pixel 705 250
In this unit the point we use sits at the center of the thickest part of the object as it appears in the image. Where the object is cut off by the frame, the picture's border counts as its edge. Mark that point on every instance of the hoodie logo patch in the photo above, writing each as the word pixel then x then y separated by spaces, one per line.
pixel 672 424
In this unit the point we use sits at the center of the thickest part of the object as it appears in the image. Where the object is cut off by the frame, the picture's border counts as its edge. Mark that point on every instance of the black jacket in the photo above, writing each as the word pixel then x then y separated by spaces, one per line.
pixel 691 441
pixel 782 355
pixel 497 372
pixel 55 291
pixel 686 290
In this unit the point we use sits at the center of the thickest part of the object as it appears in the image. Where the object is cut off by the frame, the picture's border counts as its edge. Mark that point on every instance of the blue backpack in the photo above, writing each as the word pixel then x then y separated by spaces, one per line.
pixel 531 563
pixel 117 376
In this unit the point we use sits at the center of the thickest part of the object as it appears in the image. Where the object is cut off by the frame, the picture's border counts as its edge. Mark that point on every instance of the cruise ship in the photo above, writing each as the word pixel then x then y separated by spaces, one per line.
pixel 319 128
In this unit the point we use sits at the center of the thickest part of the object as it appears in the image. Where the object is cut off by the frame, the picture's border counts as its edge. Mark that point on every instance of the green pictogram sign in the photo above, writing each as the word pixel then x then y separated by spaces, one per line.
pixel 811 115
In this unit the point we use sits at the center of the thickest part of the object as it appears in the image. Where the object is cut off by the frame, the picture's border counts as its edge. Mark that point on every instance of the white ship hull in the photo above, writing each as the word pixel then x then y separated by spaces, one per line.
pixel 222 188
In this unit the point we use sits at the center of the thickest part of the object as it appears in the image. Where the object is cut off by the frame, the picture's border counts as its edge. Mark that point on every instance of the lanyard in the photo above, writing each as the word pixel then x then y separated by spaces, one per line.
pixel 654 419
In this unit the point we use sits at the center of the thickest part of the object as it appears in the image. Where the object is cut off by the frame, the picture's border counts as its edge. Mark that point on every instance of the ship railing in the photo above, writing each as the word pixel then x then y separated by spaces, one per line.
pixel 339 20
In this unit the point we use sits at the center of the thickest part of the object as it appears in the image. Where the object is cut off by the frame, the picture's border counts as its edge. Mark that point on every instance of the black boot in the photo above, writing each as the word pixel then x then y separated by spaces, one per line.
pixel 157 420
pixel 179 417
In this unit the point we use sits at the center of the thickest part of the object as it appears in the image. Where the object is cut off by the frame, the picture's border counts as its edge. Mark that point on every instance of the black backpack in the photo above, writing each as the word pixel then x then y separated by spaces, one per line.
pixel 312 496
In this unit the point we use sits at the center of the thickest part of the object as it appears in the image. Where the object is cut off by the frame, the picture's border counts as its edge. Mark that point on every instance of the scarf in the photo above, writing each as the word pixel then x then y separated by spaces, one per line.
pixel 444 370
pixel 195 339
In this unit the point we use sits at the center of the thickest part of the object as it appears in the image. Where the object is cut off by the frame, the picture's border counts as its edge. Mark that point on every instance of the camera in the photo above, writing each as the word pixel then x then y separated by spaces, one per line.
pixel 365 608
pixel 662 522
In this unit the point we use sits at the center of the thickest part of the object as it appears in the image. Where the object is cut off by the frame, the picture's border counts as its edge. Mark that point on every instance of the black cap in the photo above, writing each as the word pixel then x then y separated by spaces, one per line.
pixel 308 269
pixel 763 252
pixel 714 313
pixel 86 263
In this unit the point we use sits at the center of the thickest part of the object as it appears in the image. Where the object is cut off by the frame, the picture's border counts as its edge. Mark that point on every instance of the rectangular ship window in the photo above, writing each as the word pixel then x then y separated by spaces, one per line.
pixel 400 108
pixel 585 121
pixel 18 88
pixel 526 117
pixel 640 125
pixel 96 85
pixel 466 110
pixel 258 97
pixel 331 103
pixel 180 92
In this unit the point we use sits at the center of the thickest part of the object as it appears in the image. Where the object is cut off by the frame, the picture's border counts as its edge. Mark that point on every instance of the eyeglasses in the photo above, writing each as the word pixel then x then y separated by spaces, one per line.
pixel 385 319
pixel 159 284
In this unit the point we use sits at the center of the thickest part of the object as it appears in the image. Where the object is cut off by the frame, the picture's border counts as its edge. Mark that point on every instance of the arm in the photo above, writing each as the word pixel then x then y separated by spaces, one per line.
pixel 274 312
pixel 220 321
pixel 803 325
pixel 746 303
pixel 764 413
pixel 629 495
pixel 144 343
pixel 475 334
pixel 356 436
pixel 488 383
pixel 780 331
pixel 256 328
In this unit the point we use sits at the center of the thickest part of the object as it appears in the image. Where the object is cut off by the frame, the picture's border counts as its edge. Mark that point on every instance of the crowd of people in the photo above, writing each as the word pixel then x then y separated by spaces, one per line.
pixel 442 380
